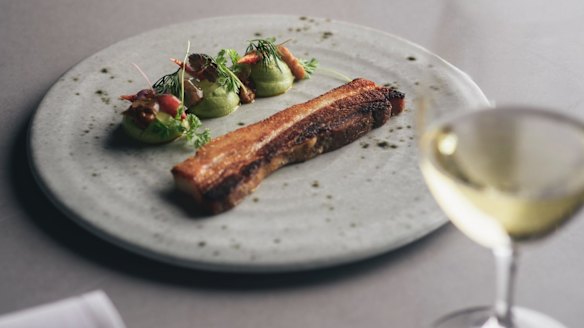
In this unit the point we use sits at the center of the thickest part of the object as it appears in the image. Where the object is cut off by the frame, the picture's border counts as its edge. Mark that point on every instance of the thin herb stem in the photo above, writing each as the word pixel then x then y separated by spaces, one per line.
pixel 334 73
pixel 143 75
pixel 182 78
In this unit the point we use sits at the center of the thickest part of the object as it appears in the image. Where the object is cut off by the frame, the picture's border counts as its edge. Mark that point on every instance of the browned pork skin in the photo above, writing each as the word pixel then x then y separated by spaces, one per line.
pixel 231 166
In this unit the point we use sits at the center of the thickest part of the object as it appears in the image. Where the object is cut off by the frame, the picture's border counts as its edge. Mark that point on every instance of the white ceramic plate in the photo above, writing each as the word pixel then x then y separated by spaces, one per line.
pixel 343 206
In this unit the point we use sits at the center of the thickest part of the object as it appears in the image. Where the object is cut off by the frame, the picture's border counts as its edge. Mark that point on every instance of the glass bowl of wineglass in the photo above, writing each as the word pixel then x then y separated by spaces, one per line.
pixel 504 175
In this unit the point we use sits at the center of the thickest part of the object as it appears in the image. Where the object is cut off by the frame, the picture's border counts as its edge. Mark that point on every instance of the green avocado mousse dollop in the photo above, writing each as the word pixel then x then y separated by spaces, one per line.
pixel 216 101
pixel 271 79
pixel 160 118
pixel 152 133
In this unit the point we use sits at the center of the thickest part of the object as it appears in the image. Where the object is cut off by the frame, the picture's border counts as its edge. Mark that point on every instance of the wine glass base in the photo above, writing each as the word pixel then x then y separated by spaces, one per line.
pixel 481 317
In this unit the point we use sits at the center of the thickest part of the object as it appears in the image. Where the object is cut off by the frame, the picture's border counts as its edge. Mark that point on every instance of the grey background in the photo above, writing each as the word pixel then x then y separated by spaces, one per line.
pixel 532 50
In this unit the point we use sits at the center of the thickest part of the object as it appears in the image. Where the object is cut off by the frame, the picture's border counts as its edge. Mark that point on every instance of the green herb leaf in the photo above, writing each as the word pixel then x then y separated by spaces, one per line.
pixel 309 66
pixel 233 55
pixel 195 138
pixel 188 128
pixel 167 128
pixel 227 77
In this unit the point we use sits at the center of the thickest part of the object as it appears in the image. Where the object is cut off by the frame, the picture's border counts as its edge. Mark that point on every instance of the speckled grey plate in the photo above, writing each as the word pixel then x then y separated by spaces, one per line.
pixel 359 201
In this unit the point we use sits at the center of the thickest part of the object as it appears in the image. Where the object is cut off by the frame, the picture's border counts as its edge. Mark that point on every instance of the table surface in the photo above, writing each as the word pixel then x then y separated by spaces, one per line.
pixel 46 257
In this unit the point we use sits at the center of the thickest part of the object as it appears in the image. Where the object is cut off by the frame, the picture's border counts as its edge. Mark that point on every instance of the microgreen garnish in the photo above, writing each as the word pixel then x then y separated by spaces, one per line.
pixel 309 66
pixel 232 54
pixel 227 77
pixel 166 129
pixel 194 138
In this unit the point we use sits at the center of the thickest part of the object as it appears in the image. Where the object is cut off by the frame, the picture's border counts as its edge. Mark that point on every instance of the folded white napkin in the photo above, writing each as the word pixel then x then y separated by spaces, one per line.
pixel 91 310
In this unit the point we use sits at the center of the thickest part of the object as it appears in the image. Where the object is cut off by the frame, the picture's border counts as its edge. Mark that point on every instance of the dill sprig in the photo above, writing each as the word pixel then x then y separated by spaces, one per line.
pixel 266 48
pixel 309 66
pixel 169 83
pixel 226 76
pixel 195 138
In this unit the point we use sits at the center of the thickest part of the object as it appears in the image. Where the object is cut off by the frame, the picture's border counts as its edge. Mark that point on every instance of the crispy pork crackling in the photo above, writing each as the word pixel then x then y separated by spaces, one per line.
pixel 231 166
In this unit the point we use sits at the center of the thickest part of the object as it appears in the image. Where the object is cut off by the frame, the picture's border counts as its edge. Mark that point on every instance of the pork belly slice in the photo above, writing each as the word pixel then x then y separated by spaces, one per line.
pixel 231 166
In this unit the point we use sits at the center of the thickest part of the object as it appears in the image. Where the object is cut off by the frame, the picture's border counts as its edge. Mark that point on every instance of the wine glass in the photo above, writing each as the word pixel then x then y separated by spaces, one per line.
pixel 503 175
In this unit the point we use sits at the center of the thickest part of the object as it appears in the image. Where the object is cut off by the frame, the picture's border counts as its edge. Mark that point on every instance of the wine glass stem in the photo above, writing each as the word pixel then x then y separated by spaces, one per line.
pixel 506 264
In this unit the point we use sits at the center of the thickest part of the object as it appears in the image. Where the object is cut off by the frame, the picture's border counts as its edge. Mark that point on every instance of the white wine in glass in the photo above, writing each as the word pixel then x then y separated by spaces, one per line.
pixel 504 176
